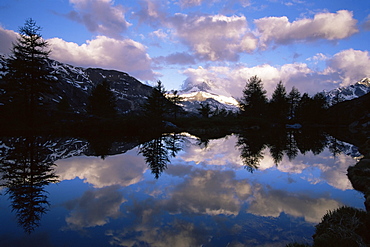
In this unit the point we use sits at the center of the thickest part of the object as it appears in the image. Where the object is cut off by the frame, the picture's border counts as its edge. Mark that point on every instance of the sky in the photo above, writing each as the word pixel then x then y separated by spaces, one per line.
pixel 312 45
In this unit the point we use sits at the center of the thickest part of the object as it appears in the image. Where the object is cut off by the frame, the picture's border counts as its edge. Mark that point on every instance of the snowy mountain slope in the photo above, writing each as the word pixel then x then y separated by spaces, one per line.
pixel 356 90
pixel 75 85
pixel 201 93
pixel 51 150
pixel 192 101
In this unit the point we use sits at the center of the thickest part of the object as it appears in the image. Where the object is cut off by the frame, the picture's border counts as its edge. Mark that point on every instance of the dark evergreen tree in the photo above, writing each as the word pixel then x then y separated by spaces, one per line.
pixel 156 105
pixel 27 74
pixel 303 108
pixel 278 105
pixel 293 101
pixel 319 106
pixel 312 110
pixel 176 100
pixel 102 101
pixel 204 110
pixel 254 100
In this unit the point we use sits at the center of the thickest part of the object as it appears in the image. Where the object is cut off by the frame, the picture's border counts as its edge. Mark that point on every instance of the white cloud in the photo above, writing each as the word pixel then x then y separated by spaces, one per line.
pixel 160 34
pixel 104 52
pixel 350 66
pixel 274 202
pixel 318 57
pixel 345 67
pixel 7 37
pixel 232 79
pixel 121 170
pixel 125 55
pixel 214 37
pixel 94 208
pixel 100 16
pixel 192 3
pixel 209 192
pixel 218 152
pixel 330 26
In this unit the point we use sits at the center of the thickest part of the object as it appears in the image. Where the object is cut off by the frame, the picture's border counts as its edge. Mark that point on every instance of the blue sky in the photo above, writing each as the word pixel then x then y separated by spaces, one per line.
pixel 312 45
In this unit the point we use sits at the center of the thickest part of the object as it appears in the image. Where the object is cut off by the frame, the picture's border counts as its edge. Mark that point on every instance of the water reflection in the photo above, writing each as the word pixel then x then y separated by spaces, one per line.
pixel 158 151
pixel 284 142
pixel 26 169
pixel 174 189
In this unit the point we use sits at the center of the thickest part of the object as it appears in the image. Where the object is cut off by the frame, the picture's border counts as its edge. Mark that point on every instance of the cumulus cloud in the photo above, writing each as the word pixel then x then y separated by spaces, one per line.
pixel 7 37
pixel 176 233
pixel 214 37
pixel 344 68
pixel 104 52
pixel 151 12
pixel 181 58
pixel 231 80
pixel 192 3
pixel 209 192
pixel 121 170
pixel 318 57
pixel 100 16
pixel 94 208
pixel 274 202
pixel 349 66
pixel 330 26
pixel 218 152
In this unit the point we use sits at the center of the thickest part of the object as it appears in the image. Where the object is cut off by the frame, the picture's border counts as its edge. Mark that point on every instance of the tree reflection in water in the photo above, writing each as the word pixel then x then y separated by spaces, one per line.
pixel 250 148
pixel 283 142
pixel 157 152
pixel 26 169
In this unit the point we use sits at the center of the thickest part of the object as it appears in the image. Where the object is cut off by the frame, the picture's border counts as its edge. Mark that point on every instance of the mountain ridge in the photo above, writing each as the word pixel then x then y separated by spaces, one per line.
pixel 350 92
pixel 76 83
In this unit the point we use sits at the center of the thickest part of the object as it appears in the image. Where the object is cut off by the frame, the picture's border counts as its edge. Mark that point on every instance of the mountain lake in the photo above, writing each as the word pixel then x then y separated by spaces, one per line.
pixel 174 190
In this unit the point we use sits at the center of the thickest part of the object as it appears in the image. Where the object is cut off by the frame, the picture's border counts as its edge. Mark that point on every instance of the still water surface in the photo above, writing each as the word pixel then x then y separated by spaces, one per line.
pixel 178 191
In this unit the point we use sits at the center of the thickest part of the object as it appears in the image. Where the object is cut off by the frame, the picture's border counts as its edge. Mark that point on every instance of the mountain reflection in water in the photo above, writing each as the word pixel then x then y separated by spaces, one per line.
pixel 246 189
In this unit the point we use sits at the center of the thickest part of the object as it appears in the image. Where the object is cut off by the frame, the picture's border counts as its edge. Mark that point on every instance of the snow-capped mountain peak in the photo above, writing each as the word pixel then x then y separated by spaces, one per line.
pixel 356 90
pixel 193 98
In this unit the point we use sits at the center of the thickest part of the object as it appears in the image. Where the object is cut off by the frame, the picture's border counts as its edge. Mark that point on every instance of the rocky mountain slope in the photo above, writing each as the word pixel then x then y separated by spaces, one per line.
pixel 75 84
pixel 355 112
pixel 202 93
pixel 192 101
pixel 356 90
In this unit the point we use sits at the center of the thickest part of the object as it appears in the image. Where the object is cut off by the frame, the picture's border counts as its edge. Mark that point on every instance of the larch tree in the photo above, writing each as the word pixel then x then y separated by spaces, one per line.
pixel 279 103
pixel 294 97
pixel 254 100
pixel 102 101
pixel 27 76
pixel 156 105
